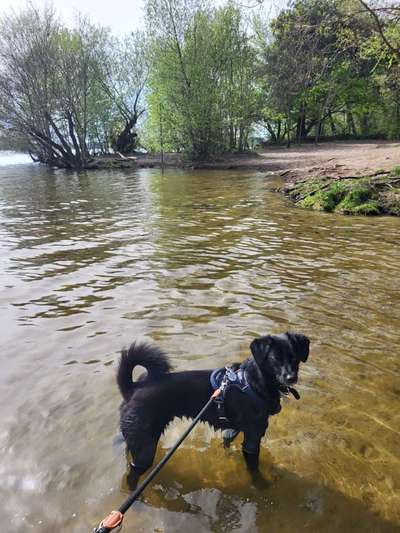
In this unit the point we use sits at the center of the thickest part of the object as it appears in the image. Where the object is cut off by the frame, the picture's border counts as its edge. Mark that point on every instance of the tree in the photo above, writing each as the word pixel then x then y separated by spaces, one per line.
pixel 386 18
pixel 299 56
pixel 123 74
pixel 202 77
pixel 45 81
pixel 324 69
pixel 68 94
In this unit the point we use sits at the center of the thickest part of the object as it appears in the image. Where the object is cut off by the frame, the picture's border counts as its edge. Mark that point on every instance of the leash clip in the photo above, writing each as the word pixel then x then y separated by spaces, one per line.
pixel 218 397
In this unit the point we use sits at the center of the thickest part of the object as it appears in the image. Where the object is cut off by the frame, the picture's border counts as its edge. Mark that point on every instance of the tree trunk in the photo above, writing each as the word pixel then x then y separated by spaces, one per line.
pixel 350 124
pixel 288 129
pixel 127 139
pixel 365 124
pixel 332 124
pixel 270 131
pixel 318 126
pixel 301 124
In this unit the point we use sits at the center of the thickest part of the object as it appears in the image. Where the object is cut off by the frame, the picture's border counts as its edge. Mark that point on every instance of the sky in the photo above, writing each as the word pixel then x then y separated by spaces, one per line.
pixel 121 16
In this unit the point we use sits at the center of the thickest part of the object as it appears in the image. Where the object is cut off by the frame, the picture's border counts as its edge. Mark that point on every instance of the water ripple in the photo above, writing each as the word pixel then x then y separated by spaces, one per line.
pixel 199 262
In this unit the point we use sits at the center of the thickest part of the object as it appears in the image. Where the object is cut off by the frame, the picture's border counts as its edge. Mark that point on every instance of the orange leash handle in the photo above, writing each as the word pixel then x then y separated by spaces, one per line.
pixel 113 520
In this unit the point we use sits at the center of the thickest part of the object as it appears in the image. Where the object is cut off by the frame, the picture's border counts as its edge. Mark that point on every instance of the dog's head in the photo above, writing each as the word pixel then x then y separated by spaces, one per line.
pixel 278 356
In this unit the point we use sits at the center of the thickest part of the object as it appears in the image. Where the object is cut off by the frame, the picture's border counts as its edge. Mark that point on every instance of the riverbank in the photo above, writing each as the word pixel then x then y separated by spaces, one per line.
pixel 377 194
pixel 341 158
pixel 360 177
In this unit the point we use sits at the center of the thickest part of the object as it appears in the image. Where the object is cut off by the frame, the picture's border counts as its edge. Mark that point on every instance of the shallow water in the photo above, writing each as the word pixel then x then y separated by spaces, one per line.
pixel 199 263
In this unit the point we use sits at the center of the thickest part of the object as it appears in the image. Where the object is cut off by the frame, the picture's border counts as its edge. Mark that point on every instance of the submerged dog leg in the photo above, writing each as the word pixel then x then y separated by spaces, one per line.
pixel 251 450
pixel 143 451
pixel 132 477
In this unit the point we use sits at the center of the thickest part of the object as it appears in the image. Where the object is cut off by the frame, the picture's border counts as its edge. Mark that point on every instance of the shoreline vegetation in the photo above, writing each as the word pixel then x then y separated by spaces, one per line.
pixel 375 194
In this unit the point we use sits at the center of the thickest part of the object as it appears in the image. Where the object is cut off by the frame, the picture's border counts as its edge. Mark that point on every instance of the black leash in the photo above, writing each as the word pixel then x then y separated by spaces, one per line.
pixel 114 519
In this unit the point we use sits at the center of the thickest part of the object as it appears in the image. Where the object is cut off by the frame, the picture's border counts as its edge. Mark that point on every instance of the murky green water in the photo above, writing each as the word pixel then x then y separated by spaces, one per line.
pixel 199 263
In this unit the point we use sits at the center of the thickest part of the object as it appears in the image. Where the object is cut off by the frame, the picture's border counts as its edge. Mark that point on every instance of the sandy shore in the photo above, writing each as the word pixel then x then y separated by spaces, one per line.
pixel 336 159
pixel 333 159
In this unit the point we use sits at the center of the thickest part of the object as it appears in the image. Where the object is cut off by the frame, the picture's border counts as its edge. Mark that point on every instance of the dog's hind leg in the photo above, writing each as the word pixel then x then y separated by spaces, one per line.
pixel 228 436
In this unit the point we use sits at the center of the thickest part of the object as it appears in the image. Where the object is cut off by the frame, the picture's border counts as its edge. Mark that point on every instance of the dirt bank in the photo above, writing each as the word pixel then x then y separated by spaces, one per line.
pixel 335 159
pixel 298 162
pixel 349 178
pixel 309 160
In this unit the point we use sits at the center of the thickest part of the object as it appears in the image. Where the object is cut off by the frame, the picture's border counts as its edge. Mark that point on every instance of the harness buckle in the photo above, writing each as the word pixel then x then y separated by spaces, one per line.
pixel 219 400
pixel 230 374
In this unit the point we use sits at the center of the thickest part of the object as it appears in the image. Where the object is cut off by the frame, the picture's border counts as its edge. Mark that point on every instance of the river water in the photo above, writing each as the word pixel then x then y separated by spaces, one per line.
pixel 199 263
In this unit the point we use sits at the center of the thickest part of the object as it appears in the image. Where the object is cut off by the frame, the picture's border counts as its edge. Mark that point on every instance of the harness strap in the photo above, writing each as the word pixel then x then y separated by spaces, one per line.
pixel 224 378
pixel 219 400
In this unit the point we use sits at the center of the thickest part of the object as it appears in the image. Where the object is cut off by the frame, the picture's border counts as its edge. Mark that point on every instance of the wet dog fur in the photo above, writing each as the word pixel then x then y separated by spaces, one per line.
pixel 159 395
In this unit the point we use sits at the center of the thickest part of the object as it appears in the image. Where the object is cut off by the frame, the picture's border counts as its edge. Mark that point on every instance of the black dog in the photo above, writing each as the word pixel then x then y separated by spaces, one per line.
pixel 159 395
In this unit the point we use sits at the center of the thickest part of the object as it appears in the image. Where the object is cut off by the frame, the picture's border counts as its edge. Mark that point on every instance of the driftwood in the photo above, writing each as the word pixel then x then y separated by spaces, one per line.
pixel 129 157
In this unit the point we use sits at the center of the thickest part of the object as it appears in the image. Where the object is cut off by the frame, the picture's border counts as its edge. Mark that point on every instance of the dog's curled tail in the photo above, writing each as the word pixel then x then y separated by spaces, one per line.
pixel 150 357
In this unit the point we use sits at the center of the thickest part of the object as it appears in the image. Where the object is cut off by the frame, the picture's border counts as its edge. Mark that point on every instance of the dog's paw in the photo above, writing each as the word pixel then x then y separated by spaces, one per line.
pixel 259 482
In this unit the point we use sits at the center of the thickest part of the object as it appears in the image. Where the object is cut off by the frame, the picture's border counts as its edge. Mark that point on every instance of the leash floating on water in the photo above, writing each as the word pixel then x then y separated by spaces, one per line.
pixel 115 518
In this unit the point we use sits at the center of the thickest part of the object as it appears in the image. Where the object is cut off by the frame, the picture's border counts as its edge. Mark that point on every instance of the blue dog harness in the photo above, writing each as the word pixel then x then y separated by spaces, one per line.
pixel 224 378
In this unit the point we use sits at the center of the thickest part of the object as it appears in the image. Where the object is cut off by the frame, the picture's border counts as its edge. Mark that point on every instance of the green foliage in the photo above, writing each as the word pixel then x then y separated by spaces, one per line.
pixel 202 90
pixel 316 201
pixel 358 201
pixel 326 71
pixel 396 171
pixel 358 196
pixel 326 199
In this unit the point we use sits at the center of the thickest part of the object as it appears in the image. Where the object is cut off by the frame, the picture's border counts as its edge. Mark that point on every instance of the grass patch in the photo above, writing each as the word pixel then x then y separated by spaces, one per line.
pixel 325 199
pixel 320 201
pixel 354 196
pixel 395 171
pixel 358 201
pixel 368 208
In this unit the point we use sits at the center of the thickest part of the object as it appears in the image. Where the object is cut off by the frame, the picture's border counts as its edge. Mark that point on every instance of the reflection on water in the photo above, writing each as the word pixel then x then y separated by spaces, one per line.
pixel 199 262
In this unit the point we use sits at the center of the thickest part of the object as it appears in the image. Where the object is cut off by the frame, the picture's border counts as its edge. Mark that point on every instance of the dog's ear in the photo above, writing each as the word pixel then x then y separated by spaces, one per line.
pixel 260 348
pixel 301 345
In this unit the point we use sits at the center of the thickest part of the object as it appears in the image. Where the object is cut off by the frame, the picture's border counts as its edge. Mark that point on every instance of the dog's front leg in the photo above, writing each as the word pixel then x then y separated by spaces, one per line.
pixel 251 449
pixel 143 450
